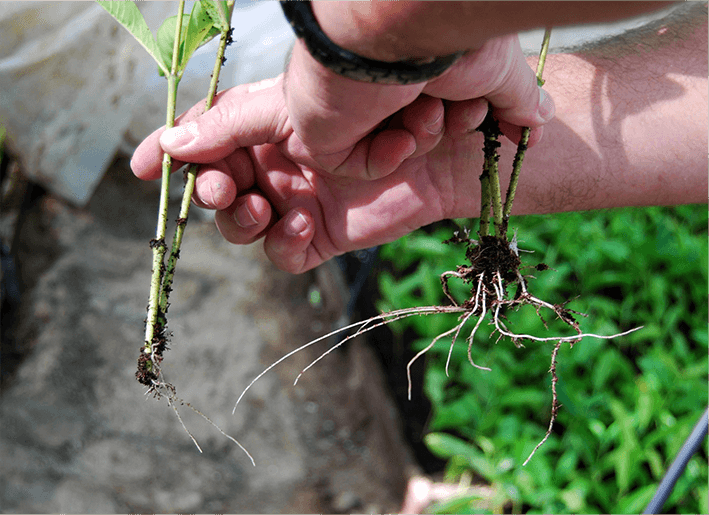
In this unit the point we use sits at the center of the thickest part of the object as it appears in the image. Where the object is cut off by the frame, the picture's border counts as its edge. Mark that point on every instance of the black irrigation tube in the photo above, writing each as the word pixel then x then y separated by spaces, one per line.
pixel 691 445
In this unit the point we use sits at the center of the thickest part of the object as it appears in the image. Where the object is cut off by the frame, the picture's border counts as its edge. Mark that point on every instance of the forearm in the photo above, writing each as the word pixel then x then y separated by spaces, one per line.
pixel 629 129
pixel 391 31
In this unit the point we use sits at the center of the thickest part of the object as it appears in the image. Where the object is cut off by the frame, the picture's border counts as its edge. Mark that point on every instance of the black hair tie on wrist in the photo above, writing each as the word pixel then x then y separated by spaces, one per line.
pixel 343 62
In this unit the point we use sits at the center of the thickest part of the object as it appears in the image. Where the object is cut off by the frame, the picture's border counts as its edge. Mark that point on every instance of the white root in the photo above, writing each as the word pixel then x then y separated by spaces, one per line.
pixel 573 338
pixel 177 413
pixel 554 403
pixel 481 305
pixel 480 319
pixel 477 293
pixel 363 327
pixel 166 390
pixel 424 351
pixel 444 282
pixel 395 315
pixel 470 343
pixel 455 337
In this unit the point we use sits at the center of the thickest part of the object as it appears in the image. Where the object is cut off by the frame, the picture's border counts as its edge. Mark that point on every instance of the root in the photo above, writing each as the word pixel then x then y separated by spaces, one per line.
pixel 362 327
pixel 470 345
pixel 425 350
pixel 161 389
pixel 494 267
pixel 554 402
pixel 455 337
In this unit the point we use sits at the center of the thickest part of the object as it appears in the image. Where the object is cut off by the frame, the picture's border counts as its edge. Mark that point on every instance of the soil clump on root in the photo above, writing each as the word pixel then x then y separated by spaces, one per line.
pixel 489 256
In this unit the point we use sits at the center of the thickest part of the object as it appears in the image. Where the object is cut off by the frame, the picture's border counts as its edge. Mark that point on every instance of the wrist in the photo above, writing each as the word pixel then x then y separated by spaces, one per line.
pixel 391 31
pixel 363 29
pixel 354 66
pixel 396 31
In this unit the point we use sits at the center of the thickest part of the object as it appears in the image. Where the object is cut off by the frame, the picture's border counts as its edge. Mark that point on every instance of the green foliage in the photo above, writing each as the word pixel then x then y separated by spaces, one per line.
pixel 627 404
pixel 206 20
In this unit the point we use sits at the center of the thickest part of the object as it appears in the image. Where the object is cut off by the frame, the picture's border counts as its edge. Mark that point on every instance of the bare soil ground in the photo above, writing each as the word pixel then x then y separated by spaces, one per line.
pixel 78 434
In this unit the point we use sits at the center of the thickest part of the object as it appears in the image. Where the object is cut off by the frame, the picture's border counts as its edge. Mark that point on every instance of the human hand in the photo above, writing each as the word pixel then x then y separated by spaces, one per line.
pixel 334 116
pixel 253 176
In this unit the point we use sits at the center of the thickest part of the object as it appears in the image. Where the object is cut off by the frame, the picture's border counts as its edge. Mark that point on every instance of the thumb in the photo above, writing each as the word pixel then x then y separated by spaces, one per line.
pixel 247 115
pixel 518 100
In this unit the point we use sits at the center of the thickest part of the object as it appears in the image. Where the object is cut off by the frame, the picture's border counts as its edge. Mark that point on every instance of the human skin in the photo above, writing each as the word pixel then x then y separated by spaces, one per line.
pixel 331 113
pixel 630 130
pixel 391 31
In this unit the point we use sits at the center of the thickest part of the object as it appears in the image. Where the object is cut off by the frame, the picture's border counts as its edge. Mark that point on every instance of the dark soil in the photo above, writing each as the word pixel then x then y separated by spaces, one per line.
pixel 489 256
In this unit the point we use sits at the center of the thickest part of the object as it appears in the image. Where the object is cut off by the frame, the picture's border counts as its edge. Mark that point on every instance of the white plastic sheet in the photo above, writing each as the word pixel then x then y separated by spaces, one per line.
pixel 75 86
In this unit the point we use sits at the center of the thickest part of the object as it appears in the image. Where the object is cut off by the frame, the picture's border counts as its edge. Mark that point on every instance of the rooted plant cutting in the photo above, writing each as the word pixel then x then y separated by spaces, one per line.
pixel 492 269
pixel 177 39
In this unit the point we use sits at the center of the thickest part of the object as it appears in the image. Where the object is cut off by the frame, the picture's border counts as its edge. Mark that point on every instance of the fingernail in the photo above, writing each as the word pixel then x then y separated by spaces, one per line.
pixel 437 126
pixel 296 224
pixel 546 106
pixel 243 216
pixel 178 137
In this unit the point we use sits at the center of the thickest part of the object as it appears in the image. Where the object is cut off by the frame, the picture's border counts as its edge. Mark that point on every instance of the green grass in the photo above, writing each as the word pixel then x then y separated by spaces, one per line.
pixel 627 404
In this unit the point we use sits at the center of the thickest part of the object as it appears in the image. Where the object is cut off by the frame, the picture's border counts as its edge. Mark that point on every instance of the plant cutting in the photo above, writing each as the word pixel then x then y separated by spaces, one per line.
pixel 177 39
pixel 493 269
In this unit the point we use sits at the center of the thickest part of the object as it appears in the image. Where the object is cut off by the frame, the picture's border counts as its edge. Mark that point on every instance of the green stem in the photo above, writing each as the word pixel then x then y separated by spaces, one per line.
pixel 490 178
pixel 191 176
pixel 156 316
pixel 522 145
pixel 543 55
pixel 485 201
pixel 496 194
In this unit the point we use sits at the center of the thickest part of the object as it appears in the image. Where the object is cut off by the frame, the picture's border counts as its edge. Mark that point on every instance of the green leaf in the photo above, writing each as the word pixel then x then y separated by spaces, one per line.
pixel 200 29
pixel 464 504
pixel 128 15
pixel 703 497
pixel 458 413
pixel 637 500
pixel 444 446
pixel 574 499
pixel 218 12
pixel 166 41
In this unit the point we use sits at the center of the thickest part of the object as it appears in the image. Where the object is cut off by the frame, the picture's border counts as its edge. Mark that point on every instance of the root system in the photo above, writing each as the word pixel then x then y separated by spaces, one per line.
pixel 493 273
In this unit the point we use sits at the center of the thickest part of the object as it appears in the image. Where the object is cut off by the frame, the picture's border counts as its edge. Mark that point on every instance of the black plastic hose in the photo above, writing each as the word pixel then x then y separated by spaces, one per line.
pixel 677 468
